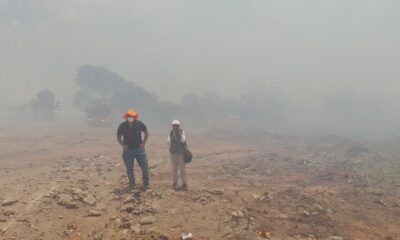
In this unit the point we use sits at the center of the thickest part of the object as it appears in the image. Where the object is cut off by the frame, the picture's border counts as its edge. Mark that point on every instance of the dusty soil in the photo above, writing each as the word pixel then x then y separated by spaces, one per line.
pixel 70 183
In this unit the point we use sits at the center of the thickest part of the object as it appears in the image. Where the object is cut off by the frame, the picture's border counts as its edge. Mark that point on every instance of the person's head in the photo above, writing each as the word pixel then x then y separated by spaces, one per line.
pixel 176 125
pixel 131 116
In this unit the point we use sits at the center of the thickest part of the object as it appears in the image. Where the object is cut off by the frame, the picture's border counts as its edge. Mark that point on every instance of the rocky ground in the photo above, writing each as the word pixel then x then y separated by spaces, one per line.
pixel 70 183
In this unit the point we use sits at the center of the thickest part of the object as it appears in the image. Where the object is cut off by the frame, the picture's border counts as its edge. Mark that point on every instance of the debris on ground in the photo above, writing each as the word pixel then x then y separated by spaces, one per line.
pixel 264 234
pixel 188 236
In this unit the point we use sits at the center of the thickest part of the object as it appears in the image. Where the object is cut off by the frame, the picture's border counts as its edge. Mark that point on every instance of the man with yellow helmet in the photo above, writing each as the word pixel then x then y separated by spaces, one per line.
pixel 129 136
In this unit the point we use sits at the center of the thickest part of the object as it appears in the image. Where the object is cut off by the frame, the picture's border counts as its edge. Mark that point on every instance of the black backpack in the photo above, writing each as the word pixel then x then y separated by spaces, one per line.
pixel 187 154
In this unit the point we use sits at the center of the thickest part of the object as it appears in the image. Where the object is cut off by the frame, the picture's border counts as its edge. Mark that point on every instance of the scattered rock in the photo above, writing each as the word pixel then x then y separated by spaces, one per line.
pixel 136 212
pixel 132 210
pixel 101 207
pixel 151 210
pixel 3 220
pixel 156 206
pixel 129 199
pixel 214 191
pixel 94 213
pixel 25 220
pixel 306 213
pixel 319 207
pixel 116 198
pixel 77 191
pixel 203 199
pixel 97 235
pixel 147 220
pixel 187 236
pixel 90 200
pixel 283 216
pixel 157 194
pixel 137 229
pixel 123 223
pixel 350 181
pixel 9 202
pixel 334 238
pixel 163 237
pixel 8 213
pixel 380 202
pixel 67 202
pixel 257 196
pixel 262 197
pixel 71 227
pixel 237 214
pixel 263 234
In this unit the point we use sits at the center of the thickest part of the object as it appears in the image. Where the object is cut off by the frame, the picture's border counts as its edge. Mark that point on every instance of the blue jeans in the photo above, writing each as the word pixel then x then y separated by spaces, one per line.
pixel 129 157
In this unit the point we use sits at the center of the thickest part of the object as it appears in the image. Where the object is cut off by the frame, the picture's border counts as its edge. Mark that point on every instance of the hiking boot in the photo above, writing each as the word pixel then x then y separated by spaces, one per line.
pixel 144 188
pixel 184 187
pixel 132 186
pixel 175 186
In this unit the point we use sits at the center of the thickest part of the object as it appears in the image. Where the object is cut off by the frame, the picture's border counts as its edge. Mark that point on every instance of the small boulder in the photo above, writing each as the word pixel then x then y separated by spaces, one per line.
pixel 90 200
pixel 94 213
pixel 137 229
pixel 8 213
pixel 67 202
pixel 147 220
pixel 334 238
pixel 237 214
pixel 123 223
pixel 9 202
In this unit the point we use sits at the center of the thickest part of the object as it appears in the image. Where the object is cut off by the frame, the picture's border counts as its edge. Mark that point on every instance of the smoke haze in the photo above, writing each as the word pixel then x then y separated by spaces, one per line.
pixel 322 66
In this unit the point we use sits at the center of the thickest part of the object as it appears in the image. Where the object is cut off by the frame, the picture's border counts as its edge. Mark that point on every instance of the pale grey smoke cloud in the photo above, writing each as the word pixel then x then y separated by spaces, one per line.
pixel 323 56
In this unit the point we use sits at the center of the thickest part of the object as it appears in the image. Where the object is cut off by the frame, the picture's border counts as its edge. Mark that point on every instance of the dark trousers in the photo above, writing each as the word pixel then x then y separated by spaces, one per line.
pixel 129 157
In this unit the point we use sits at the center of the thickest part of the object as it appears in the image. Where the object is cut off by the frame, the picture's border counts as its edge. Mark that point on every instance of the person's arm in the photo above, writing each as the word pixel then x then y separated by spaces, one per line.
pixel 119 139
pixel 183 137
pixel 169 139
pixel 146 136
pixel 143 128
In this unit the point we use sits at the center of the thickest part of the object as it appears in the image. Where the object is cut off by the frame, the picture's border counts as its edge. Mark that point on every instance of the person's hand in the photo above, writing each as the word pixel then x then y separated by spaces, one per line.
pixel 125 147
pixel 142 145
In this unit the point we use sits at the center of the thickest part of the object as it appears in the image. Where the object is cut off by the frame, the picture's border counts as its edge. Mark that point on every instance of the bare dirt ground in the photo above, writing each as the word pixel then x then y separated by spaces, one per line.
pixel 70 183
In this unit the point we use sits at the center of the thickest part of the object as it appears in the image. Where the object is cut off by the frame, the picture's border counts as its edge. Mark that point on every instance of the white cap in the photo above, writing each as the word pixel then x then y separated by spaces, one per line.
pixel 176 122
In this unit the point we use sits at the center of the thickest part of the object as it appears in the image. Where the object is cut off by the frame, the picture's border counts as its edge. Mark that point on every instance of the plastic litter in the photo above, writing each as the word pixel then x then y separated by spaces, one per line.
pixel 187 237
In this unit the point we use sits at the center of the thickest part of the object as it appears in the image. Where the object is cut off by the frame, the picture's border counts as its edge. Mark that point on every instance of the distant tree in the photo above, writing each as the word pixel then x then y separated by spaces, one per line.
pixel 99 85
pixel 95 84
pixel 44 106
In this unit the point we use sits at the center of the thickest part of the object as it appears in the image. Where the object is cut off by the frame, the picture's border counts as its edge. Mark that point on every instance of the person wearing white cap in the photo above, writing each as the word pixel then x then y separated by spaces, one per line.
pixel 177 143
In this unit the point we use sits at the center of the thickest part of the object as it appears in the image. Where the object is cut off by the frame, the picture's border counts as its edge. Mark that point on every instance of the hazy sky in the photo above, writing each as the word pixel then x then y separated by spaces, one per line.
pixel 307 49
